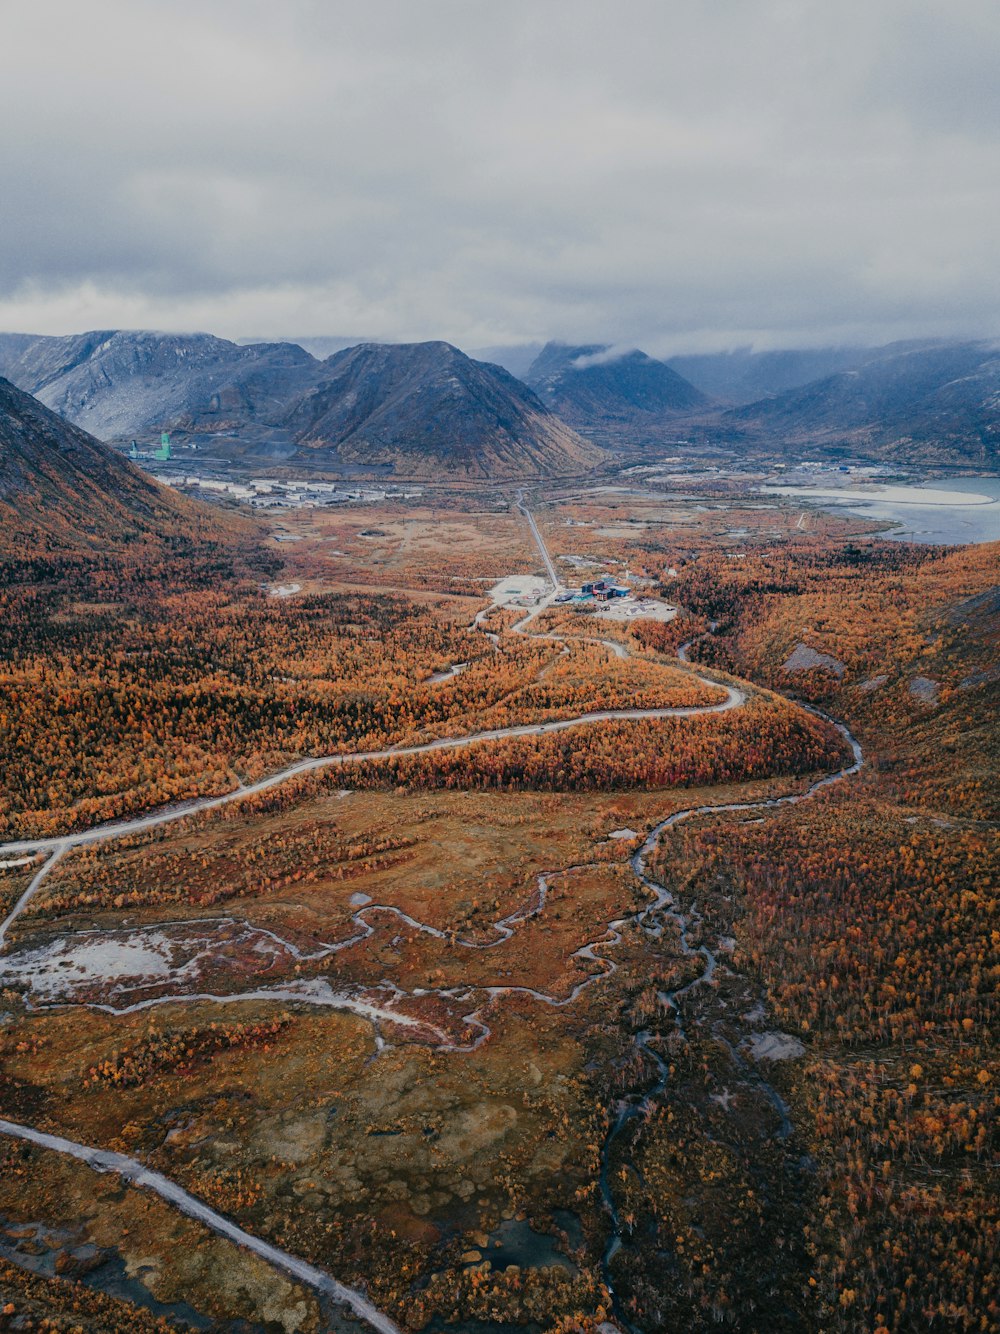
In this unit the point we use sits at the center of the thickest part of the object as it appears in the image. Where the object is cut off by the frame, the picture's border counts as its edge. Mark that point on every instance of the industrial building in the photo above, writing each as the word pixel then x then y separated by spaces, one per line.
pixel 603 591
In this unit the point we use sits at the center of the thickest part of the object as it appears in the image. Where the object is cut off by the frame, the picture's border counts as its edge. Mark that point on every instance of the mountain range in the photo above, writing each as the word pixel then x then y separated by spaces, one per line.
pixel 924 403
pixel 935 403
pixel 426 410
pixel 419 409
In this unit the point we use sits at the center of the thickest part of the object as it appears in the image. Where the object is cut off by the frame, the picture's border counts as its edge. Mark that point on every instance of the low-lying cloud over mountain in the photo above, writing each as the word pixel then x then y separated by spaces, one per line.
pixel 427 409
pixel 594 384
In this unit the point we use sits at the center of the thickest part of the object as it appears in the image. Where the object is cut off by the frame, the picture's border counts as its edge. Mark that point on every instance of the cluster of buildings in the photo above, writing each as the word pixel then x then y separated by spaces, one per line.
pixel 270 493
pixel 160 455
pixel 599 591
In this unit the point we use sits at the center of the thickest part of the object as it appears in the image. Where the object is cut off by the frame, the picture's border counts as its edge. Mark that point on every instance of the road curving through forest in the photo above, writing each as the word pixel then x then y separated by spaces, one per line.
pixel 135 1172
pixel 650 917
pixel 734 698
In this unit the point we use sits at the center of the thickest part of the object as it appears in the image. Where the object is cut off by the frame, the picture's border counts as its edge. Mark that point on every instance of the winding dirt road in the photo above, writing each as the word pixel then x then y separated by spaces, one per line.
pixel 734 699
pixel 130 1169
pixel 596 952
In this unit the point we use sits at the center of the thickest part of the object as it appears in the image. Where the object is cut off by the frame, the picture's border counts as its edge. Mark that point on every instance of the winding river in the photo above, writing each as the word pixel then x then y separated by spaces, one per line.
pixel 384 1009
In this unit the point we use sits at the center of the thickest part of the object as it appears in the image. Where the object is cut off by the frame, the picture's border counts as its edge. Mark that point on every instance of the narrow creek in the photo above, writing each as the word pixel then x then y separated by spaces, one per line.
pixel 651 918
pixel 663 907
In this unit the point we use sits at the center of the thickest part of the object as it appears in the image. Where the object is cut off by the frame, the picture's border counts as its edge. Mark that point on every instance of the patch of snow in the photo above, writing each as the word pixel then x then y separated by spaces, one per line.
pixel 64 965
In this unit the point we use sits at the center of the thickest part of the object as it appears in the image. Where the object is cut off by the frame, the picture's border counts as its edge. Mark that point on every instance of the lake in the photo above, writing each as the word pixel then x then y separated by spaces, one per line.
pixel 966 510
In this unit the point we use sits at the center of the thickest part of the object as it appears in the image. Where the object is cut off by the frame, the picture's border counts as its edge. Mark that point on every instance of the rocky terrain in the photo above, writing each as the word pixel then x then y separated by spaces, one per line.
pixel 122 383
pixel 427 406
pixel 933 404
pixel 423 409
pixel 417 408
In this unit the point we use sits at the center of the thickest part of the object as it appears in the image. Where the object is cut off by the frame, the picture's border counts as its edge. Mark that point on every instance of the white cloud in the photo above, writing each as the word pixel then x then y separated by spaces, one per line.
pixel 686 175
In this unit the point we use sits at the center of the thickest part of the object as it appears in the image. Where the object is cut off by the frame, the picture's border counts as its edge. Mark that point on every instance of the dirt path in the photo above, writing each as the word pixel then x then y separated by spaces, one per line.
pixel 596 952
pixel 131 1170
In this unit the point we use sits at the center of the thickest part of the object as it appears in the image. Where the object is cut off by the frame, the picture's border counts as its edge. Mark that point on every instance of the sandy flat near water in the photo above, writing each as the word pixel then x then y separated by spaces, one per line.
pixel 899 495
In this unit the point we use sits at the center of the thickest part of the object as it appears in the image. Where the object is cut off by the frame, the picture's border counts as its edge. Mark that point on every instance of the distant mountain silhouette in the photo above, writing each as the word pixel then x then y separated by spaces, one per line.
pixel 515 358
pixel 589 385
pixel 418 407
pixel 743 376
pixel 926 403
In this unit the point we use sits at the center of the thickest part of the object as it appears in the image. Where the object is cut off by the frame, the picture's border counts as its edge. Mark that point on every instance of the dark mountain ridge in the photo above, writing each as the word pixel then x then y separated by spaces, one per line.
pixel 591 385
pixel 423 406
pixel 62 490
pixel 936 403
pixel 417 408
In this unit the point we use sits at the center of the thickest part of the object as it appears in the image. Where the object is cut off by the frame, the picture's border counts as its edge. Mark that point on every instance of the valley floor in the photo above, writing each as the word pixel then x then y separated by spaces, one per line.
pixel 580 988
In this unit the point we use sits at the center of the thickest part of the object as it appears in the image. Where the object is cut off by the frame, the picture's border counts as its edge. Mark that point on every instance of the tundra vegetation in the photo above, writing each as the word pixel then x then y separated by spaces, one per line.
pixel 809 1138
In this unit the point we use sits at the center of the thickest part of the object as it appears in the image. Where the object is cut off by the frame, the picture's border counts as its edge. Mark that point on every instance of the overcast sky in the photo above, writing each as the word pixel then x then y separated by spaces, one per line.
pixel 675 174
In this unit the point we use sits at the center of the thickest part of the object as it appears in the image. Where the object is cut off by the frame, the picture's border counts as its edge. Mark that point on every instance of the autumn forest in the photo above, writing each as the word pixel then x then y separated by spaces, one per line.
pixel 521 968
